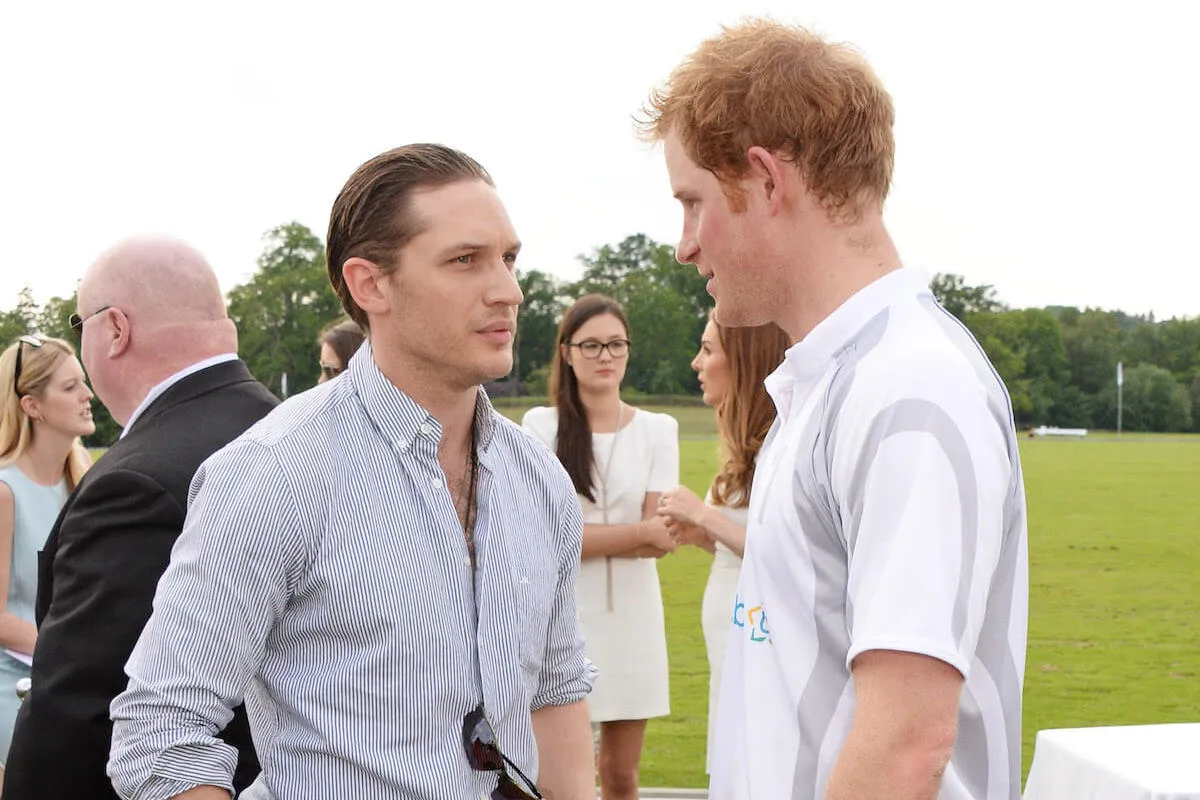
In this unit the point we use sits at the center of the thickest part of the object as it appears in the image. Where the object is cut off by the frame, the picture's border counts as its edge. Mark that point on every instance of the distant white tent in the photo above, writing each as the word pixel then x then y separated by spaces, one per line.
pixel 1047 430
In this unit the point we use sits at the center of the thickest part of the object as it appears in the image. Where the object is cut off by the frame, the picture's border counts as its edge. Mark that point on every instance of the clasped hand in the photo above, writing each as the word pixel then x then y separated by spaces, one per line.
pixel 683 512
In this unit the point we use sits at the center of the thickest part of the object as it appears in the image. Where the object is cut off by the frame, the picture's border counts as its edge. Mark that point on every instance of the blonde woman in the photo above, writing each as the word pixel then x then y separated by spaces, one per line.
pixel 45 406
pixel 732 365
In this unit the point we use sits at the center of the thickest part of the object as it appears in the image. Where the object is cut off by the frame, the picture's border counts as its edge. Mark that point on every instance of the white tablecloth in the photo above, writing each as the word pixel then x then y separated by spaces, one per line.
pixel 1130 762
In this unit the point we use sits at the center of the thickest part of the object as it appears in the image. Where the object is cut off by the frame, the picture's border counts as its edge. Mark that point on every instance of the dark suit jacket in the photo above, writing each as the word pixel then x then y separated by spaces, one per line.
pixel 96 581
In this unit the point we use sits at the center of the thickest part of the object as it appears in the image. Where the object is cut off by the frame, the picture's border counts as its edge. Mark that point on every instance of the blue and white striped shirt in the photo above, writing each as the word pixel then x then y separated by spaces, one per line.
pixel 322 575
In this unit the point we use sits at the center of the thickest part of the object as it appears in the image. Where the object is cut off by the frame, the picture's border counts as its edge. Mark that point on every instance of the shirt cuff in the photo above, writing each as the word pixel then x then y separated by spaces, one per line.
pixel 567 692
pixel 165 788
pixel 176 770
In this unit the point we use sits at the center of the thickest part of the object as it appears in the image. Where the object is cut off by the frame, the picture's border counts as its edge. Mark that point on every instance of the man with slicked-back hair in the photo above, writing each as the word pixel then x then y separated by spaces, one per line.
pixel 161 354
pixel 384 567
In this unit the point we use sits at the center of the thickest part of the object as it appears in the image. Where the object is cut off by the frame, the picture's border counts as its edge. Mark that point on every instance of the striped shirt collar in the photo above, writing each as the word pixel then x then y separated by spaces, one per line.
pixel 399 418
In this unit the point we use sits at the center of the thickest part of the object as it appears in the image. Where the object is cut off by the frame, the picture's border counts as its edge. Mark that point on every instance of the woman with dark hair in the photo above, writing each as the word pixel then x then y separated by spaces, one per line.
pixel 338 343
pixel 620 459
pixel 732 365
pixel 45 406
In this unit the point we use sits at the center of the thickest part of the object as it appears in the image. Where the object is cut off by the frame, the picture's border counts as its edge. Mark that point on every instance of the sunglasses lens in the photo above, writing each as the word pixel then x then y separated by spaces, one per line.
pixel 508 789
pixel 484 756
pixel 479 742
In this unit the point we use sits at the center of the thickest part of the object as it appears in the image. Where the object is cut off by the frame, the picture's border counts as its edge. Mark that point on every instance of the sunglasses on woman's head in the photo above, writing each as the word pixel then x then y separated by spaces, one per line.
pixel 484 755
pixel 32 341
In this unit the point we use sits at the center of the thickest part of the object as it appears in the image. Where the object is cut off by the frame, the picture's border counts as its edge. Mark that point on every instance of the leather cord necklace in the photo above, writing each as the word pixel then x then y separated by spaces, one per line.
pixel 467 496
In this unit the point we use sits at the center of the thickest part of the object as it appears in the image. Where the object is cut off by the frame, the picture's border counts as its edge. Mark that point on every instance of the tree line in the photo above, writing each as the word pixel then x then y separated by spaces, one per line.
pixel 1059 363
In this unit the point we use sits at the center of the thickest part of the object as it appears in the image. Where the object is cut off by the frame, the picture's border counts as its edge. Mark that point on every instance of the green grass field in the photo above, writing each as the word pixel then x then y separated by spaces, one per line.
pixel 1114 630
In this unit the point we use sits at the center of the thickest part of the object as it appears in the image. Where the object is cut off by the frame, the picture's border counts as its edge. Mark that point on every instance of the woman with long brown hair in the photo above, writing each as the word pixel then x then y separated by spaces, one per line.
pixel 620 459
pixel 45 406
pixel 732 364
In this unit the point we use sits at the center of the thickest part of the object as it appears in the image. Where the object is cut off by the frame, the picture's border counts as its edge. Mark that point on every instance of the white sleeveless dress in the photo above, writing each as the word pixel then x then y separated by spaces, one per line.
pixel 624 631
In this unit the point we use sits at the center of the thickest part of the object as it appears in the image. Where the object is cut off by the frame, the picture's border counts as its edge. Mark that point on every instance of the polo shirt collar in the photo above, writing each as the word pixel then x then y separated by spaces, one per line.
pixel 811 357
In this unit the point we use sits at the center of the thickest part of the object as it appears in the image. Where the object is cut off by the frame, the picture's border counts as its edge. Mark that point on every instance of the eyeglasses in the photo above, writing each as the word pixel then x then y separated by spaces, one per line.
pixel 32 341
pixel 483 754
pixel 76 321
pixel 617 348
pixel 329 372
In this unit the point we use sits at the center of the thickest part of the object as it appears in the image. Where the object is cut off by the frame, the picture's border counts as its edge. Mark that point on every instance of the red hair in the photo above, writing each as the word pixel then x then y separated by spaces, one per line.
pixel 785 89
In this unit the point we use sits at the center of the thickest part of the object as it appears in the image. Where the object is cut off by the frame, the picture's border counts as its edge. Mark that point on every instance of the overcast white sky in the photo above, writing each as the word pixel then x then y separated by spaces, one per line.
pixel 1049 148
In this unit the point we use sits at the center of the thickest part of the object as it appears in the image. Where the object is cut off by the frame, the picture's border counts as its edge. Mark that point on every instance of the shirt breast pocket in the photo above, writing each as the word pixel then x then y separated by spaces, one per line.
pixel 535 593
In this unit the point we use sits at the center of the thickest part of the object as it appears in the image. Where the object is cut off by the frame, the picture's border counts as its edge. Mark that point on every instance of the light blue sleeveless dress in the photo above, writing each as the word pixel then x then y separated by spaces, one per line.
pixel 36 508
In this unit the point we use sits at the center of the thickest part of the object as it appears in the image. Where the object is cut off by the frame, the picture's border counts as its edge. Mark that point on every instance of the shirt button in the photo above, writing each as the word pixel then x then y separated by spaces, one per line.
pixel 466 561
pixel 426 429
pixel 436 483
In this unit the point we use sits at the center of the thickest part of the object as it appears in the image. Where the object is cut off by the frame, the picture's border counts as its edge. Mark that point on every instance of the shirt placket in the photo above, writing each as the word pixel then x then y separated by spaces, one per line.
pixel 450 546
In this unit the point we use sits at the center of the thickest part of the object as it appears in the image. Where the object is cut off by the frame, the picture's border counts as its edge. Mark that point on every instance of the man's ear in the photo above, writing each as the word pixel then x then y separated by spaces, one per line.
pixel 364 280
pixel 118 330
pixel 775 179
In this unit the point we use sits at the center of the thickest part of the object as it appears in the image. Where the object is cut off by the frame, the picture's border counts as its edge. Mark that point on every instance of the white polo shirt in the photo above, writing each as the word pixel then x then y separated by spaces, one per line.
pixel 887 512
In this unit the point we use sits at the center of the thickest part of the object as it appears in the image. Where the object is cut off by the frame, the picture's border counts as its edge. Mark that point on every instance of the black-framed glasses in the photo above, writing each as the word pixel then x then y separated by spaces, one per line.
pixel 484 755
pixel 590 348
pixel 33 341
pixel 76 321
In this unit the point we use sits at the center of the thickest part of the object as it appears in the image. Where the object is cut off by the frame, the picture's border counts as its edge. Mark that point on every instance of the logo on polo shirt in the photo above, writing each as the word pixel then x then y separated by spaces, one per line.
pixel 754 618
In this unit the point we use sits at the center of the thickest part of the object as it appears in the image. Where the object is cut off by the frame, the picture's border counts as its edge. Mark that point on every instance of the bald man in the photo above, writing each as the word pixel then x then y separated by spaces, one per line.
pixel 161 353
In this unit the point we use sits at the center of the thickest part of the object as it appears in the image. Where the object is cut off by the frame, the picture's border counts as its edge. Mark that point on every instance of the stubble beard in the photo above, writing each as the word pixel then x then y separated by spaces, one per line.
pixel 735 309
pixel 488 373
